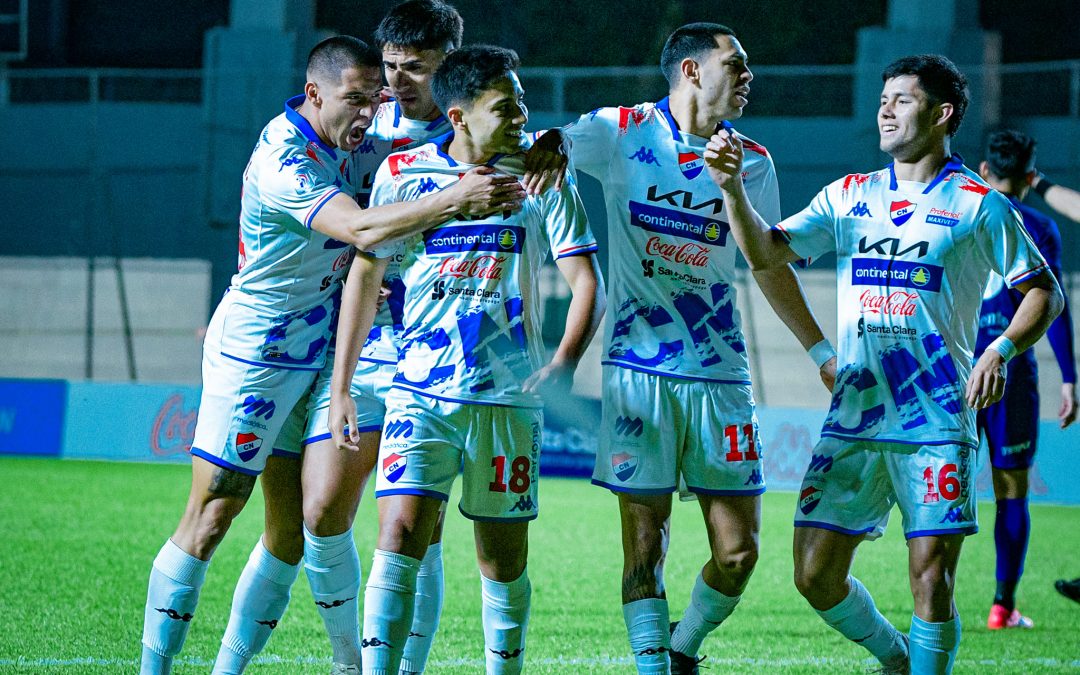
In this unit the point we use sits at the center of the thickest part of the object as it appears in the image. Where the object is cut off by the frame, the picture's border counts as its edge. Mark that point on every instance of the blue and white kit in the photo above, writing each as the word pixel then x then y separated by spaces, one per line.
pixel 912 262
pixel 673 336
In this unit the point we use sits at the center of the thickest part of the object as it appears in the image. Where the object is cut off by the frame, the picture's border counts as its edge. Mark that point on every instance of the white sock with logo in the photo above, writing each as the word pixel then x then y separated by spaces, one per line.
pixel 171 597
pixel 427 610
pixel 333 571
pixel 858 619
pixel 647 624
pixel 506 620
pixel 388 610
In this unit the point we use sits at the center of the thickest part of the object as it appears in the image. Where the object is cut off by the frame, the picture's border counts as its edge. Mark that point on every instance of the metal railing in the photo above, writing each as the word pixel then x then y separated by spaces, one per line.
pixel 1050 88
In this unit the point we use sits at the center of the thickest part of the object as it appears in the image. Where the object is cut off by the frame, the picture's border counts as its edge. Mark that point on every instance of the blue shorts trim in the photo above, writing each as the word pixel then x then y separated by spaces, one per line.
pixel 462 401
pixel 494 519
pixel 282 452
pixel 217 461
pixel 833 528
pixel 971 529
pixel 378 361
pixel 860 439
pixel 267 365
pixel 727 493
pixel 417 492
pixel 659 373
pixel 323 437
pixel 634 491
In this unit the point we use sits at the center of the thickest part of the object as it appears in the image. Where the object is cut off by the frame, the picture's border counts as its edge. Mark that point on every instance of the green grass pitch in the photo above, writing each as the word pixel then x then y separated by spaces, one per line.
pixel 78 539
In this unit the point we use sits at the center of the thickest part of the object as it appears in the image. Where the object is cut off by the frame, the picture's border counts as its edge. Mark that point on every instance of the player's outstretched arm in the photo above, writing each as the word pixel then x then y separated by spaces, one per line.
pixel 782 289
pixel 359 301
pixel 480 191
pixel 1041 304
pixel 1065 201
pixel 587 307
pixel 762 246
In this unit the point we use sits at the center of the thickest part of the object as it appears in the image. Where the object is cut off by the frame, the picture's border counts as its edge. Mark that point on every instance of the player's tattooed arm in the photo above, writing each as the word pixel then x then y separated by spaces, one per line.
pixel 546 162
pixel 227 483
pixel 1041 304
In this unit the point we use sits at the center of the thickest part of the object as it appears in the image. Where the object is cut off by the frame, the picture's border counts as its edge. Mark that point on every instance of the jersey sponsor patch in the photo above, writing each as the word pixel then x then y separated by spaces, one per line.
pixel 488 238
pixel 901 211
pixel 691 164
pixel 873 272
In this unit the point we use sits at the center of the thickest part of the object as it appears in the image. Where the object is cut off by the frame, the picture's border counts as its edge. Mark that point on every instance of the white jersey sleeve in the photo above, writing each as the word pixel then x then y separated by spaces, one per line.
pixel 762 187
pixel 811 232
pixel 593 140
pixel 301 186
pixel 1005 243
pixel 566 222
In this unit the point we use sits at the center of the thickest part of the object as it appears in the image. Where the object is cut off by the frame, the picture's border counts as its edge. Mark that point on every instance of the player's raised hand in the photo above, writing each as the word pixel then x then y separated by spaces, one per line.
pixel 545 163
pixel 1067 411
pixel 482 190
pixel 342 416
pixel 724 159
pixel 828 373
pixel 987 381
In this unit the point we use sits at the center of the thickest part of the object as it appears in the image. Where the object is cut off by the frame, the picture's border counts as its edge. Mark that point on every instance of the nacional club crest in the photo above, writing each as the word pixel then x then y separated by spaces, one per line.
pixel 808 499
pixel 247 446
pixel 393 466
pixel 624 465
pixel 691 164
pixel 901 211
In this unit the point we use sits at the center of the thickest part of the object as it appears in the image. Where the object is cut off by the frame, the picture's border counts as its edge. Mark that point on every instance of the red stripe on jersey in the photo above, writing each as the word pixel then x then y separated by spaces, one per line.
pixel 398 142
pixel 626 115
pixel 972 186
pixel 754 147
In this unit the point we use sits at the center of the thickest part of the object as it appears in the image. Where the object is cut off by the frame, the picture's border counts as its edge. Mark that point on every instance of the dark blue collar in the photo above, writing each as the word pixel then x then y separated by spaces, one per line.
pixel 955 164
pixel 664 106
pixel 432 125
pixel 303 125
pixel 443 140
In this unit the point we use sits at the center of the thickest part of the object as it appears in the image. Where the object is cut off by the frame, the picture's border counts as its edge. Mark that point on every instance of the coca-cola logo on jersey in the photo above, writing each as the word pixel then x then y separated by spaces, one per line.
pixel 342 261
pixel 689 253
pixel 480 267
pixel 897 303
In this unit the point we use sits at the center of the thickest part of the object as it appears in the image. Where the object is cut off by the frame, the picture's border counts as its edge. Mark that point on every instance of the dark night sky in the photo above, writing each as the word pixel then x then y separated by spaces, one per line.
pixel 134 33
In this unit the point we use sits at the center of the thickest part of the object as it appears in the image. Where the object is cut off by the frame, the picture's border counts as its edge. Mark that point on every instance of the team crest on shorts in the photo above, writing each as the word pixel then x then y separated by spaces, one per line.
pixel 394 466
pixel 901 211
pixel 247 446
pixel 691 164
pixel 624 465
pixel 808 499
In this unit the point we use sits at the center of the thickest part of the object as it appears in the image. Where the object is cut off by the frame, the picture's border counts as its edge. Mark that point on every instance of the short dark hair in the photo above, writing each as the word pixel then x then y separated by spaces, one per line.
pixel 421 24
pixel 334 55
pixel 689 42
pixel 939 78
pixel 467 72
pixel 1010 154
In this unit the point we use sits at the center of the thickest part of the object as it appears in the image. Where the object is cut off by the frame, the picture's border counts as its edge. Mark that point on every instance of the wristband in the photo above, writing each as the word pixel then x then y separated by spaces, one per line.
pixel 821 353
pixel 1004 346
pixel 1042 186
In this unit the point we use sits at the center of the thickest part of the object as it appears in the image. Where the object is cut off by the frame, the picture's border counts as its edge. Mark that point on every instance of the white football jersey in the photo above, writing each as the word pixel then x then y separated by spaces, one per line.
pixel 471 304
pixel 671 296
pixel 912 262
pixel 389 132
pixel 282 301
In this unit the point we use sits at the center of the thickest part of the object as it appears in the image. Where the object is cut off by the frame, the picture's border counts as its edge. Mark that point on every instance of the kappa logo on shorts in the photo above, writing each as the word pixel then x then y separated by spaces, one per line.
pixel 627 426
pixel 624 465
pixel 247 446
pixel 755 478
pixel 808 500
pixel 396 428
pixel 393 466
pixel 954 515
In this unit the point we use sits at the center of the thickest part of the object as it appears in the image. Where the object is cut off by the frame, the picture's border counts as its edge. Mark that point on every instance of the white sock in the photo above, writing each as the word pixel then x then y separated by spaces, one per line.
pixel 934 645
pixel 426 611
pixel 857 618
pixel 506 619
pixel 707 610
pixel 388 609
pixel 333 571
pixel 259 602
pixel 171 598
pixel 647 624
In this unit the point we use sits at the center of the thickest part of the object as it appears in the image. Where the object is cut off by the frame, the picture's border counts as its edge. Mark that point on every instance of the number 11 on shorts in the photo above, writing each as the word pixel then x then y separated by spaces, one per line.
pixel 731 432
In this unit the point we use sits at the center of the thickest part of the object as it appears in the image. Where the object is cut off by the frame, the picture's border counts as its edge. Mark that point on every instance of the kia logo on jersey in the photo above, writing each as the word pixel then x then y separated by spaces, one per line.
pixel 394 466
pixel 624 465
pixel 691 164
pixel 901 211
pixel 247 446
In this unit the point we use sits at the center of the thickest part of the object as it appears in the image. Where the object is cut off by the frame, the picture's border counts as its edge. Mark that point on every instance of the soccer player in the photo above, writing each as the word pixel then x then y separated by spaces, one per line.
pixel 1011 425
pixel 414 36
pixel 267 339
pixel 916 243
pixel 471 361
pixel 678 407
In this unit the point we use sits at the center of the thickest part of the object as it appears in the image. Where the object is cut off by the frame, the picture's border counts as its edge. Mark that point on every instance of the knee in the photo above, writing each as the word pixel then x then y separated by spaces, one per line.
pixel 405 535
pixel 324 518
pixel 737 564
pixel 813 581
pixel 211 523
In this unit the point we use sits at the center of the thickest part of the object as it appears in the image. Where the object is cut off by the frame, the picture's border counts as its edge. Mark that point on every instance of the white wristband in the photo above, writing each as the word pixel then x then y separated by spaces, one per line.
pixel 1004 346
pixel 821 353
